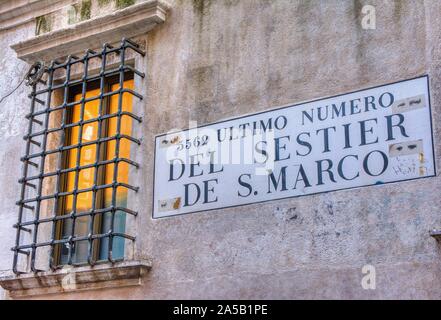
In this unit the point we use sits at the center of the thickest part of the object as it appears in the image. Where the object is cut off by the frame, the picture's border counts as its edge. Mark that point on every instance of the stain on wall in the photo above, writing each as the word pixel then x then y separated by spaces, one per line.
pixel 43 24
pixel 77 12
pixel 120 4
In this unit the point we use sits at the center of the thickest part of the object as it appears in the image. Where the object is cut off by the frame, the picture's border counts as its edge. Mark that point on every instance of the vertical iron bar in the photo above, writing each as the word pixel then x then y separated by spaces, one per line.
pixel 90 258
pixel 23 186
pixel 65 102
pixel 78 159
pixel 117 143
pixel 59 166
pixel 40 180
pixel 52 262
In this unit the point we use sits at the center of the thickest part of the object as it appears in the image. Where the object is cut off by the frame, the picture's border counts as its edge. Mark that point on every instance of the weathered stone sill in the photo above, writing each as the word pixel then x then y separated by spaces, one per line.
pixel 122 274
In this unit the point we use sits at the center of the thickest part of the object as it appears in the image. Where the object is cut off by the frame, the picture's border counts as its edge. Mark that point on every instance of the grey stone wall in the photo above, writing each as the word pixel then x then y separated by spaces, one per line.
pixel 217 59
pixel 12 128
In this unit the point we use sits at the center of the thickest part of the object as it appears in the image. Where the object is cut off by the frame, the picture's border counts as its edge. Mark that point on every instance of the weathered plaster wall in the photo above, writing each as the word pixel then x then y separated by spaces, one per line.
pixel 12 127
pixel 217 59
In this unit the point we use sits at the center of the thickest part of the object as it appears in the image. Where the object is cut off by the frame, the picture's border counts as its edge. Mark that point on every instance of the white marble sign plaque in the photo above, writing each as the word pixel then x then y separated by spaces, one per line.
pixel 369 137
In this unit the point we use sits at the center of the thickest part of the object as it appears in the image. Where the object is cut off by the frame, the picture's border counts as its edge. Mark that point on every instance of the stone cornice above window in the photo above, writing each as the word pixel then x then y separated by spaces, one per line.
pixel 121 274
pixel 125 23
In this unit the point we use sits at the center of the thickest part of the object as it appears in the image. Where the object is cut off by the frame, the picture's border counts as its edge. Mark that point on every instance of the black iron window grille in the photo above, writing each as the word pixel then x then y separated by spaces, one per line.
pixel 46 224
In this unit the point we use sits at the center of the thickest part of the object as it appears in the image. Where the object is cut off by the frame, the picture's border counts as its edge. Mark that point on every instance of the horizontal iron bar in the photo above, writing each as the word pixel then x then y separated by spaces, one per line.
pixel 80 145
pixel 94 98
pixel 74 239
pixel 88 213
pixel 84 122
pixel 79 191
pixel 79 168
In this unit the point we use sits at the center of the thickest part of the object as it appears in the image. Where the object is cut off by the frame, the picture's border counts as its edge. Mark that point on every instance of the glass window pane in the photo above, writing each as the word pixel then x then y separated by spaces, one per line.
pixel 85 176
pixel 123 173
